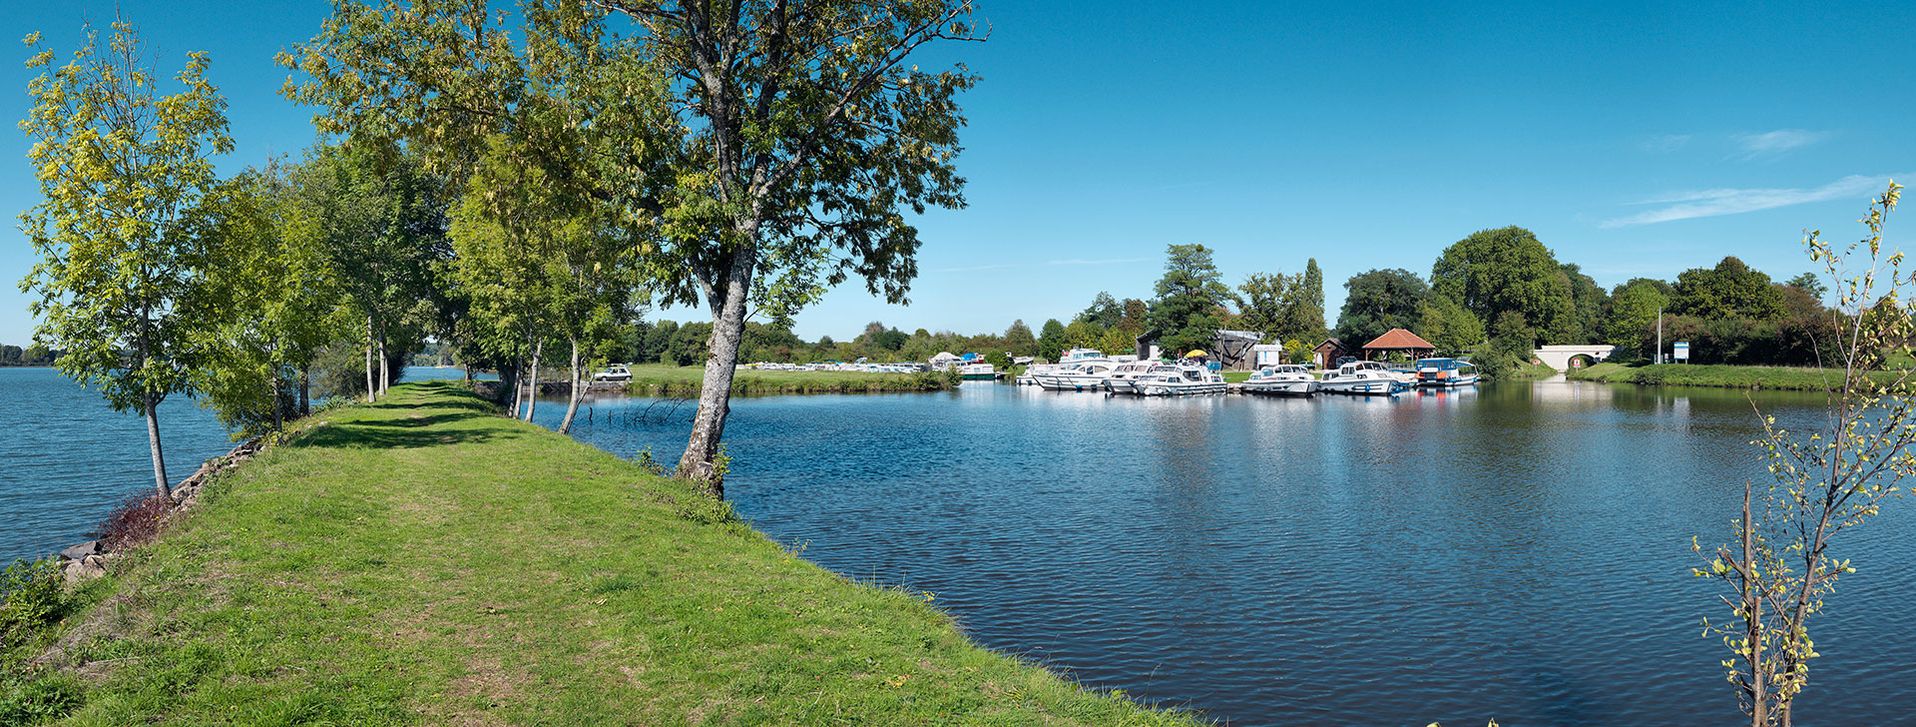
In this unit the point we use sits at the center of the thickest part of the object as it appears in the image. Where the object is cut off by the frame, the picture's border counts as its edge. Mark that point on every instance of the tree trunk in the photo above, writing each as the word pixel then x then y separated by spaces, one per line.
pixel 532 386
pixel 721 364
pixel 279 412
pixel 385 373
pixel 1753 619
pixel 150 406
pixel 372 390
pixel 509 376
pixel 306 390
pixel 577 391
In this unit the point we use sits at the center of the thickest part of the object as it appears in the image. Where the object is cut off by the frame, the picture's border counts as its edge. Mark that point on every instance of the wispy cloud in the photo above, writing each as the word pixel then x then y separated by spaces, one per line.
pixel 1066 262
pixel 1770 143
pixel 1734 201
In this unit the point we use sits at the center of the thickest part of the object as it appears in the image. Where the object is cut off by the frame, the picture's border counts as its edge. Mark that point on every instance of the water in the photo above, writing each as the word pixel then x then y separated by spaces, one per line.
pixel 67 459
pixel 1518 553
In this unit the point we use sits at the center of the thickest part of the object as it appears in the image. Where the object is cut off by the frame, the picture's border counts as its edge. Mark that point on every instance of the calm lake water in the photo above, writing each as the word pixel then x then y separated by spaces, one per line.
pixel 67 459
pixel 1519 552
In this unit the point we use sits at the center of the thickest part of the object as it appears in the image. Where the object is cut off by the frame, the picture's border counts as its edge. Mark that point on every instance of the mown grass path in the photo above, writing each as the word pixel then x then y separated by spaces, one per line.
pixel 426 561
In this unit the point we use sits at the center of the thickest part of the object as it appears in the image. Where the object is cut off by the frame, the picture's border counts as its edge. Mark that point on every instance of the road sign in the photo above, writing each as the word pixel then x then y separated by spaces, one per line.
pixel 1681 350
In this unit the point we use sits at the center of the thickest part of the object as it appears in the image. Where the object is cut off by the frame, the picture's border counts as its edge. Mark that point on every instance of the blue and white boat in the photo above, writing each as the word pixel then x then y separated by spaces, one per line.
pixel 1445 373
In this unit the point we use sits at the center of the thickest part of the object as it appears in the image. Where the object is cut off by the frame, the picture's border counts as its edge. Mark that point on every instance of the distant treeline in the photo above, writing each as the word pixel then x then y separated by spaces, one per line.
pixel 35 355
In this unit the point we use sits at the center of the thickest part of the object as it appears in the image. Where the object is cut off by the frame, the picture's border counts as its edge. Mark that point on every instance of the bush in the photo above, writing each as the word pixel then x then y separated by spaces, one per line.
pixel 31 596
pixel 30 699
pixel 136 522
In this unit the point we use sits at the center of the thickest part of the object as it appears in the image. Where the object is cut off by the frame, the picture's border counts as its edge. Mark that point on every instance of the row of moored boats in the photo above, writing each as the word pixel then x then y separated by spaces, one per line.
pixel 1084 369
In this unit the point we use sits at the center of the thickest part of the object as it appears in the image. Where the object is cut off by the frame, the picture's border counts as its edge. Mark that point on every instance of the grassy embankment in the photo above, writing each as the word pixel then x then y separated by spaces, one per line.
pixel 663 380
pixel 1722 376
pixel 423 560
pixel 1526 371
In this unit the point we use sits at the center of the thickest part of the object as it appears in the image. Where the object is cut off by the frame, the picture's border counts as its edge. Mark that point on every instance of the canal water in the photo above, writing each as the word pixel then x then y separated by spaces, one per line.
pixel 1518 553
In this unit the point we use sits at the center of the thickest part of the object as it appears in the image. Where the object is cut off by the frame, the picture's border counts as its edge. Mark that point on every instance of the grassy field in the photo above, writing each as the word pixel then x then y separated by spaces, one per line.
pixel 1735 377
pixel 663 380
pixel 423 560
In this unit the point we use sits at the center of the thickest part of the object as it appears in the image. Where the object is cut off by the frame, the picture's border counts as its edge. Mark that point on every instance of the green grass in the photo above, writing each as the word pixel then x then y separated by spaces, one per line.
pixel 424 560
pixel 1717 375
pixel 1526 371
pixel 664 380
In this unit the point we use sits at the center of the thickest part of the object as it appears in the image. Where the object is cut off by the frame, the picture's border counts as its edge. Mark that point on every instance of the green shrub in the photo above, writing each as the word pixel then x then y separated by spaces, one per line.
pixel 30 699
pixel 32 595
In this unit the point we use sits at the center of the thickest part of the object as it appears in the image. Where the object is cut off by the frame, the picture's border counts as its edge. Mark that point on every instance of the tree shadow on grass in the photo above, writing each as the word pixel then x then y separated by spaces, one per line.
pixel 413 424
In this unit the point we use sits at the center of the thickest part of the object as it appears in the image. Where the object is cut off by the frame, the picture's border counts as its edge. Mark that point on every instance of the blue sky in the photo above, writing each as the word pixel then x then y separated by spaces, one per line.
pixel 1634 140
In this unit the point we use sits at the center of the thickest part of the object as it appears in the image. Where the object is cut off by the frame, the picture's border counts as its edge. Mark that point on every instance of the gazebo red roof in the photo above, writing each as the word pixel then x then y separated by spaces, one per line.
pixel 1398 339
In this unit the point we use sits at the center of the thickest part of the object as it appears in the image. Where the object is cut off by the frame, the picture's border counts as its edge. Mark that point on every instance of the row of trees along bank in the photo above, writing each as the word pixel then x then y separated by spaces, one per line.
pixel 518 185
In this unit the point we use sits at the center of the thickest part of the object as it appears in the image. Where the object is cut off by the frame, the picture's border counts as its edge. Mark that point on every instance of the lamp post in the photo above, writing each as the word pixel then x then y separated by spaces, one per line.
pixel 1659 358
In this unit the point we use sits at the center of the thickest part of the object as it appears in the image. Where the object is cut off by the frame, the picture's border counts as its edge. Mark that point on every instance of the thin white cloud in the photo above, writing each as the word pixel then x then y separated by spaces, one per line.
pixel 1734 201
pixel 1769 143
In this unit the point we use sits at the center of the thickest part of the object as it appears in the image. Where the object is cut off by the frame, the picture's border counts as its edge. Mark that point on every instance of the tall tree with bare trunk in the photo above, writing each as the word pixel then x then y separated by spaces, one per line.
pixel 757 152
pixel 123 173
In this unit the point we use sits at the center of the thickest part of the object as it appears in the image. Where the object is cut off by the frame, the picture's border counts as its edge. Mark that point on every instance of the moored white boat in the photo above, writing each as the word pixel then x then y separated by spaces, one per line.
pixel 1070 358
pixel 1183 381
pixel 1123 378
pixel 978 372
pixel 1282 380
pixel 1088 375
pixel 1368 378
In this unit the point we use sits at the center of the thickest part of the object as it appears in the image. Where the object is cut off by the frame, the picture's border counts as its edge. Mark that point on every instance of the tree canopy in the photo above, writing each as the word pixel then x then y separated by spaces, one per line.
pixel 1190 296
pixel 1508 270
pixel 1376 301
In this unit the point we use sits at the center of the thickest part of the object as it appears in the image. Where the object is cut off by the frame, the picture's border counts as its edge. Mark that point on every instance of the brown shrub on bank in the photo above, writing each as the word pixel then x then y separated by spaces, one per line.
pixel 136 522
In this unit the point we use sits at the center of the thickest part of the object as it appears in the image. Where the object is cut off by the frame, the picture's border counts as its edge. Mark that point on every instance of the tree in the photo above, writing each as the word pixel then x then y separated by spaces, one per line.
pixel 807 134
pixel 120 225
pixel 1051 343
pixel 1508 269
pixel 273 302
pixel 1104 311
pixel 1309 307
pixel 1018 339
pixel 1633 312
pixel 1376 301
pixel 1778 569
pixel 1189 297
pixel 1449 327
pixel 1265 300
pixel 1587 301
pixel 1729 290
pixel 1809 283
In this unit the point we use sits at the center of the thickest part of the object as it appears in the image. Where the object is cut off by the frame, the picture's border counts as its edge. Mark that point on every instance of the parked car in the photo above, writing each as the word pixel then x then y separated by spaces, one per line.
pixel 615 372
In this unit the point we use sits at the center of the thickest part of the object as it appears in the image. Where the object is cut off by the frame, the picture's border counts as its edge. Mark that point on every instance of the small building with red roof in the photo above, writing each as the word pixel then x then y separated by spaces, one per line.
pixel 1398 340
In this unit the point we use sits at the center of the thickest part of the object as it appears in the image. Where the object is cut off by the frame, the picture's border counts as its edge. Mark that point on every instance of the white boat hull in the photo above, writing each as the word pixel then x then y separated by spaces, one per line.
pixel 1366 387
pixel 1071 383
pixel 1281 388
pixel 1161 388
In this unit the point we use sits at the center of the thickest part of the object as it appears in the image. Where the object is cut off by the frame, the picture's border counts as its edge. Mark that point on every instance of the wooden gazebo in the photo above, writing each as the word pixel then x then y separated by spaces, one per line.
pixel 1398 340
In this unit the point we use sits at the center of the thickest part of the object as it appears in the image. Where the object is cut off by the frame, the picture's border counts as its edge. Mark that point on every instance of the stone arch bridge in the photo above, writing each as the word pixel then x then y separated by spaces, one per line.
pixel 1561 357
